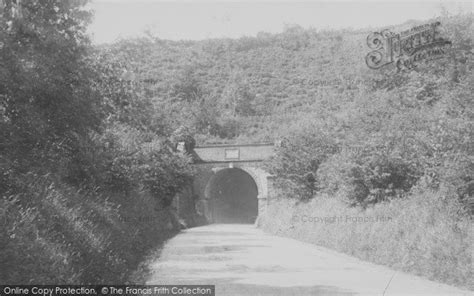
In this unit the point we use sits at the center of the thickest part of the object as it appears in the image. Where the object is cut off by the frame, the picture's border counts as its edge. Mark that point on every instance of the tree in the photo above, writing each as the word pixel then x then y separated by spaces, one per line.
pixel 46 93
pixel 187 87
pixel 237 96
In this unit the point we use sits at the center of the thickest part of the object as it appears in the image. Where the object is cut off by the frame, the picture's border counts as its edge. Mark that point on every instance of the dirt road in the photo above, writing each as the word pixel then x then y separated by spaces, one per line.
pixel 243 260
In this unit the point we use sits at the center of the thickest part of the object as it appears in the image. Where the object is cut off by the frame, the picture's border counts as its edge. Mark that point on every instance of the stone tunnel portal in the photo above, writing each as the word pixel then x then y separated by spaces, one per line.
pixel 232 193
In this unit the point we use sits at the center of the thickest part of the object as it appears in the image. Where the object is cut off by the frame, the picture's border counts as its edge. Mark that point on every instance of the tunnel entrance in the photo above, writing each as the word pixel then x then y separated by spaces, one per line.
pixel 232 194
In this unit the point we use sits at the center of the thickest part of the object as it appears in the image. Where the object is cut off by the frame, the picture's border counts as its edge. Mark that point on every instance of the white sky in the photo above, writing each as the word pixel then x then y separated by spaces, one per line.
pixel 225 18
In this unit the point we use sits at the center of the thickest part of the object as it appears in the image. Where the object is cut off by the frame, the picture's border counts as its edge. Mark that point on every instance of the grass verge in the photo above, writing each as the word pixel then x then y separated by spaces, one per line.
pixel 55 234
pixel 425 234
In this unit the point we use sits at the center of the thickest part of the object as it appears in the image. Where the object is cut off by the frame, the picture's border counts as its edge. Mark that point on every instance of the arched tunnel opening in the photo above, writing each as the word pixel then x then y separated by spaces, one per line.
pixel 232 194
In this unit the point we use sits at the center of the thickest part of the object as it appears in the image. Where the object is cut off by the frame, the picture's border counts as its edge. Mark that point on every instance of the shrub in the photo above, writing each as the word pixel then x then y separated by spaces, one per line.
pixel 376 178
pixel 298 159
pixel 228 128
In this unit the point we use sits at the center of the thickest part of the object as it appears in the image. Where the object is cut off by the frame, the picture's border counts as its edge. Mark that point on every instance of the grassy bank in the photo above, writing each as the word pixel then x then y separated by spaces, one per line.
pixel 424 234
pixel 55 234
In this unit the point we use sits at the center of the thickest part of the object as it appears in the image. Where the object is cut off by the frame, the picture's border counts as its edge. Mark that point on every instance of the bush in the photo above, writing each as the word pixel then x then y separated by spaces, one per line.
pixel 227 128
pixel 368 179
pixel 298 159
pixel 137 159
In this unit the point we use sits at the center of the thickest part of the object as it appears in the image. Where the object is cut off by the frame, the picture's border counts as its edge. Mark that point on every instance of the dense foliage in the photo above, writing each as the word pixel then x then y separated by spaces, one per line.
pixel 373 134
pixel 83 154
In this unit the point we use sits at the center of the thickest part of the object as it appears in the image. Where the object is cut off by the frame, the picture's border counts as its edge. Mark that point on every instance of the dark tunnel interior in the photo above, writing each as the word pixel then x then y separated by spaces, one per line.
pixel 233 196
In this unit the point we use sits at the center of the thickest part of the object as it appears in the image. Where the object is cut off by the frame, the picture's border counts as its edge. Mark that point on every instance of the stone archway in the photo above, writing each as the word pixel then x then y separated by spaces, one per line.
pixel 209 160
pixel 232 194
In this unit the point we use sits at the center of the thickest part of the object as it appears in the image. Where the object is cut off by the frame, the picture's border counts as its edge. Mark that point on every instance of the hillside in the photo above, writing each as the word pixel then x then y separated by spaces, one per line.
pixel 250 88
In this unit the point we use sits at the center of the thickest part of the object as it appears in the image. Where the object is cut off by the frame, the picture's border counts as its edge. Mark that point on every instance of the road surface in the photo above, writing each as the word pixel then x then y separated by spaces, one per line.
pixel 243 260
